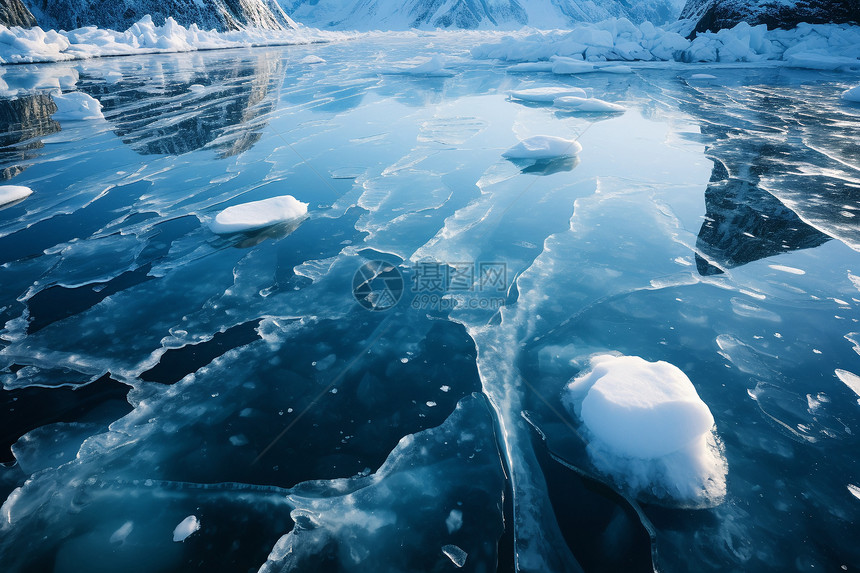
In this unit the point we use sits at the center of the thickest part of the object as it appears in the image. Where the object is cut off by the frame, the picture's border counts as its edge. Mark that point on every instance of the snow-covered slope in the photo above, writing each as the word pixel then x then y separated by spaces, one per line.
pixel 219 15
pixel 718 14
pixel 429 14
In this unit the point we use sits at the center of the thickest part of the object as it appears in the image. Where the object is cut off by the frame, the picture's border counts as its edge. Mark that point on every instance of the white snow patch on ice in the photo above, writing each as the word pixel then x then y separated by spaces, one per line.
pixel 258 214
pixel 790 270
pixel 311 60
pixel 849 379
pixel 543 147
pixel 852 95
pixel 12 193
pixel 185 528
pixel 547 94
pixel 121 534
pixel 76 106
pixel 649 429
pixel 592 105
pixel 454 521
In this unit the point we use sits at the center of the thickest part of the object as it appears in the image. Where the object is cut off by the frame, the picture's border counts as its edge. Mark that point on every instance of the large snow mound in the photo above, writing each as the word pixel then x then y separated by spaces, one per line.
pixel 258 214
pixel 76 106
pixel 28 45
pixel 13 193
pixel 543 147
pixel 648 429
pixel 581 49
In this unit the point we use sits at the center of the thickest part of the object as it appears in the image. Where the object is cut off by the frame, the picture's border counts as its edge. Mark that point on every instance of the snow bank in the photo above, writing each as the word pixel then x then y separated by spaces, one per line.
pixel 590 104
pixel 826 46
pixel 648 429
pixel 543 147
pixel 852 95
pixel 13 193
pixel 258 214
pixel 76 106
pixel 20 45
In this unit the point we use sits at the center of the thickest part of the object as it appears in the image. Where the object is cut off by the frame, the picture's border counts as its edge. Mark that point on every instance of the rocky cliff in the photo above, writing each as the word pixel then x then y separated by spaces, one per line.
pixel 718 14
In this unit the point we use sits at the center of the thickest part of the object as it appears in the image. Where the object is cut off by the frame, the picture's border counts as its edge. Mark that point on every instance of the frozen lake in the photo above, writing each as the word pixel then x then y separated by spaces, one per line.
pixel 379 385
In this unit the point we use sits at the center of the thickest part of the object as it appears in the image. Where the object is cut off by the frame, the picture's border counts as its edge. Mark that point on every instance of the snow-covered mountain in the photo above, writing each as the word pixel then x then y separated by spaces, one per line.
pixel 120 14
pixel 718 14
pixel 429 14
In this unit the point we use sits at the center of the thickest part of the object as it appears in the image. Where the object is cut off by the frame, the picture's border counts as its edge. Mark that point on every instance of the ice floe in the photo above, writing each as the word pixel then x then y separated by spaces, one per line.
pixel 547 94
pixel 591 104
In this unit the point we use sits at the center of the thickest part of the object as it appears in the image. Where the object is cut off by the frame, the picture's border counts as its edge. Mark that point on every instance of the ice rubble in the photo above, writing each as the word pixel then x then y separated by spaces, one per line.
pixel 76 106
pixel 258 214
pixel 852 95
pixel 21 45
pixel 543 147
pixel 648 428
pixel 828 46
pixel 13 193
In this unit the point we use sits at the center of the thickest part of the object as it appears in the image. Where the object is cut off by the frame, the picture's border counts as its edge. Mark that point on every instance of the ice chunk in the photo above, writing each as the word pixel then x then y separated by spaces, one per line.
pixel 121 534
pixel 455 554
pixel 852 95
pixel 76 106
pixel 648 428
pixel 454 521
pixel 543 147
pixel 855 491
pixel 185 528
pixel 703 77
pixel 548 94
pixel 849 379
pixel 591 104
pixel 258 214
pixel 13 193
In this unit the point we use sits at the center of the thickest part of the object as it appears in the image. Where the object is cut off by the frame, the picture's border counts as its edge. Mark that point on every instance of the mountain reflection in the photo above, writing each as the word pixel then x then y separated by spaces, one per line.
pixel 777 184
pixel 22 122
pixel 221 103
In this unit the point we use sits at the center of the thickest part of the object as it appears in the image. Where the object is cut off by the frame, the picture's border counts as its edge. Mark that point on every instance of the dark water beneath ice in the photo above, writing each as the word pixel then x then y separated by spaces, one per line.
pixel 152 370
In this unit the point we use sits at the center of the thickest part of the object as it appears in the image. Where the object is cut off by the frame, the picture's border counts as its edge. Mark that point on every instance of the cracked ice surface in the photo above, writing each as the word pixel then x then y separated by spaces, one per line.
pixel 235 379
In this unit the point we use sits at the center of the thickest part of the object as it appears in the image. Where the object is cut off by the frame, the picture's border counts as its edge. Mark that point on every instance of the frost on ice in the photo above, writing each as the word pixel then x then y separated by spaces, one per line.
pixel 543 147
pixel 13 193
pixel 75 106
pixel 258 214
pixel 185 528
pixel 648 429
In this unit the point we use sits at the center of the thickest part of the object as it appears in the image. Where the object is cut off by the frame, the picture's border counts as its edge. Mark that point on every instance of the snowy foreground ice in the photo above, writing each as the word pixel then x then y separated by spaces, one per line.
pixel 635 345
